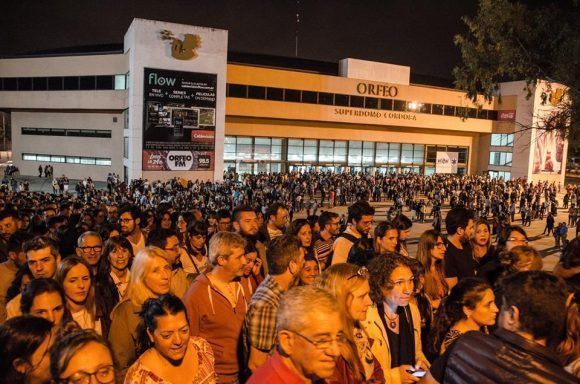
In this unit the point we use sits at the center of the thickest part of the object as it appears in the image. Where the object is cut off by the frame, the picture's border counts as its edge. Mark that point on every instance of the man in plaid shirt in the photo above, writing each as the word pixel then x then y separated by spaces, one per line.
pixel 285 261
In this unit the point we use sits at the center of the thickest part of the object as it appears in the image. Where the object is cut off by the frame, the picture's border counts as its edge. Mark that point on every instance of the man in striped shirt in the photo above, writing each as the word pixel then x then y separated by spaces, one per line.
pixel 329 228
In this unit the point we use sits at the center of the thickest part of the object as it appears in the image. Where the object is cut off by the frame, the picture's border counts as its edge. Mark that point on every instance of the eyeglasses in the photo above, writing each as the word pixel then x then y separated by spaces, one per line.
pixel 103 375
pixel 440 243
pixel 323 344
pixel 126 220
pixel 95 249
pixel 521 241
pixel 175 248
pixel 362 272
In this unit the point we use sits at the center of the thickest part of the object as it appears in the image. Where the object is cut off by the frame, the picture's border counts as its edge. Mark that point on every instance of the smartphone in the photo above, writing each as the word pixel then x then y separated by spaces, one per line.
pixel 417 373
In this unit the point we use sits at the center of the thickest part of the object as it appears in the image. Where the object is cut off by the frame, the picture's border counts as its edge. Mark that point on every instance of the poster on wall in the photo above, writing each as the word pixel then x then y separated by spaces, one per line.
pixel 548 152
pixel 446 162
pixel 179 120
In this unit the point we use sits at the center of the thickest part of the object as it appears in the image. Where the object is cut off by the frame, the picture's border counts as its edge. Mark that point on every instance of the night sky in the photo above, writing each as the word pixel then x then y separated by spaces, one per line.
pixel 418 33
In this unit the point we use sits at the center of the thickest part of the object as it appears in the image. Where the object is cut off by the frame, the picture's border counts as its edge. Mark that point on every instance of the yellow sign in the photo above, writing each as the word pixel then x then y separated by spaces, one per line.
pixel 182 49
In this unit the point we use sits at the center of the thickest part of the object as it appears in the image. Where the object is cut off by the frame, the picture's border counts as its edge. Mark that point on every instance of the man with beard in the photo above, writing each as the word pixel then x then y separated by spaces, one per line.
pixel 245 222
pixel 360 220
pixel 459 262
pixel 9 268
pixel 276 222
pixel 216 303
pixel 329 228
pixel 8 225
pixel 285 259
pixel 130 218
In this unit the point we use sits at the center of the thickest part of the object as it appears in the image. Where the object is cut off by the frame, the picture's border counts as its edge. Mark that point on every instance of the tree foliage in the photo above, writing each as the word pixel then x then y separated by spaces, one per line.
pixel 524 40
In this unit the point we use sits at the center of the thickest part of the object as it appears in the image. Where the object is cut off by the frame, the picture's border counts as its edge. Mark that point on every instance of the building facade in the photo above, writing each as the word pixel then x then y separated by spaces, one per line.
pixel 169 104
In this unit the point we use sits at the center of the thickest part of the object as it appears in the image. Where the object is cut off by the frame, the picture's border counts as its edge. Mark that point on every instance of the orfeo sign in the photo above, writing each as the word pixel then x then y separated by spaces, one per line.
pixel 383 90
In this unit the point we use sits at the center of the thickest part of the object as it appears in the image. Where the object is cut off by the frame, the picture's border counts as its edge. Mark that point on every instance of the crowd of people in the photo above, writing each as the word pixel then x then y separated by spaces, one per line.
pixel 199 282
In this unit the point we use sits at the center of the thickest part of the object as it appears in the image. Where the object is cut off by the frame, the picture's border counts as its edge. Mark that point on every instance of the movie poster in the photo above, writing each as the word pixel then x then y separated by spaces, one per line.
pixel 179 120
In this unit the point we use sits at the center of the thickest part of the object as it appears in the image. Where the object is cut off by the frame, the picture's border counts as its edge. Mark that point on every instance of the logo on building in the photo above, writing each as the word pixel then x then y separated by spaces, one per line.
pixel 179 160
pixel 182 49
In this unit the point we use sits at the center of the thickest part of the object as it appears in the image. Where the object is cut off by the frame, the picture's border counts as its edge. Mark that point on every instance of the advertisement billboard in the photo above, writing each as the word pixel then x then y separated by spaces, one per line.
pixel 179 120
pixel 446 162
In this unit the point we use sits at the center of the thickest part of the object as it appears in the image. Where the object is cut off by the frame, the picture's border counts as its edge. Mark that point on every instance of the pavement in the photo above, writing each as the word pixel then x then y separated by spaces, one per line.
pixel 543 243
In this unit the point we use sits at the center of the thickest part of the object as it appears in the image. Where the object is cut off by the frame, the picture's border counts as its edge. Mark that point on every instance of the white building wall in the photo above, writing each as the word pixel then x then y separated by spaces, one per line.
pixel 73 146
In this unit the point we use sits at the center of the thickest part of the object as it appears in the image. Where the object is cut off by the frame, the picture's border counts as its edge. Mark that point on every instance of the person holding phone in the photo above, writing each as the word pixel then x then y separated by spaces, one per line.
pixel 393 322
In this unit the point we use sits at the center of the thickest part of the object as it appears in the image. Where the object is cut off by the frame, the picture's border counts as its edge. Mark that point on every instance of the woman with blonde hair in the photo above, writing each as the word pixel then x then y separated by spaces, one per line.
pixel 349 284
pixel 150 278
pixel 431 253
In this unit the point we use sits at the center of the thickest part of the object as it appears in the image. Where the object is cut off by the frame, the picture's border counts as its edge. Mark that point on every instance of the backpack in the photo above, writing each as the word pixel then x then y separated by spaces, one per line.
pixel 362 250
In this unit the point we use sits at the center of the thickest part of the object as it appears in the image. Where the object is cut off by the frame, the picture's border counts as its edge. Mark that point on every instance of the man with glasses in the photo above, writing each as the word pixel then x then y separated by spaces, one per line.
pixel 42 257
pixel 167 240
pixel 309 342
pixel 90 249
pixel 329 228
pixel 130 218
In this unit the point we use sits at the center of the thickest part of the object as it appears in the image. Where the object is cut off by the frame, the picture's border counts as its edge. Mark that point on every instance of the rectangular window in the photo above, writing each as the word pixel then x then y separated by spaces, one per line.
pixel 25 84
pixel 325 98
pixel 71 83
pixel 449 110
pixel 382 155
pixel 104 82
pixel 500 158
pixel 400 105
pixel 292 95
pixel 255 92
pixel 387 104
pixel 437 109
pixel 55 83
pixel 10 84
pixel 394 153
pixel 237 90
pixel 101 161
pixel 371 102
pixel 276 94
pixel 87 83
pixel 39 83
pixel 341 100
pixel 407 153
pixel 126 147
pixel 502 139
pixel 357 101
pixel 28 156
pixel 120 82
pixel 57 159
pixel 309 97
pixel 88 160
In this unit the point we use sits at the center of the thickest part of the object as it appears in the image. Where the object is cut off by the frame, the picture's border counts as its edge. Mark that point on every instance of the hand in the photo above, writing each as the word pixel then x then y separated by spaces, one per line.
pixel 257 266
pixel 406 377
pixel 422 364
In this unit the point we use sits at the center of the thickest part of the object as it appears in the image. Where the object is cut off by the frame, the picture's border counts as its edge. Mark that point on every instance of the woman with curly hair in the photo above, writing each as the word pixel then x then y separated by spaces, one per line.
pixel 393 322
pixel 470 306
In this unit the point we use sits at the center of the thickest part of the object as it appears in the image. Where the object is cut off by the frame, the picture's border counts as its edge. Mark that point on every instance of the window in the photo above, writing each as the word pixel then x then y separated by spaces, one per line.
pixel 105 82
pixel 309 97
pixel 25 84
pixel 237 90
pixel 371 102
pixel 120 82
pixel 71 83
pixel 394 153
pixel 126 147
pixel 400 105
pixel 502 139
pixel 311 150
pixel 255 92
pixel 87 83
pixel 66 159
pixel 357 101
pixel 407 153
pixel 292 95
pixel 339 152
pixel 276 94
pixel 341 100
pixel 387 104
pixel 325 98
pixel 506 175
pixel 39 83
pixel 382 155
pixel 295 150
pixel 500 158
pixel 354 152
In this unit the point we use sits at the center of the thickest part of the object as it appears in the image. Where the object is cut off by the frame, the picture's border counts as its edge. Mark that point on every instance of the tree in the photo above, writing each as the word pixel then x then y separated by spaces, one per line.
pixel 524 40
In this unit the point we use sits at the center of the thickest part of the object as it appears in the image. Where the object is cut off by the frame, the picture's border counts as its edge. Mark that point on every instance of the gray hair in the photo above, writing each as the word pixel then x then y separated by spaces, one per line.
pixel 84 235
pixel 299 303
pixel 222 243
